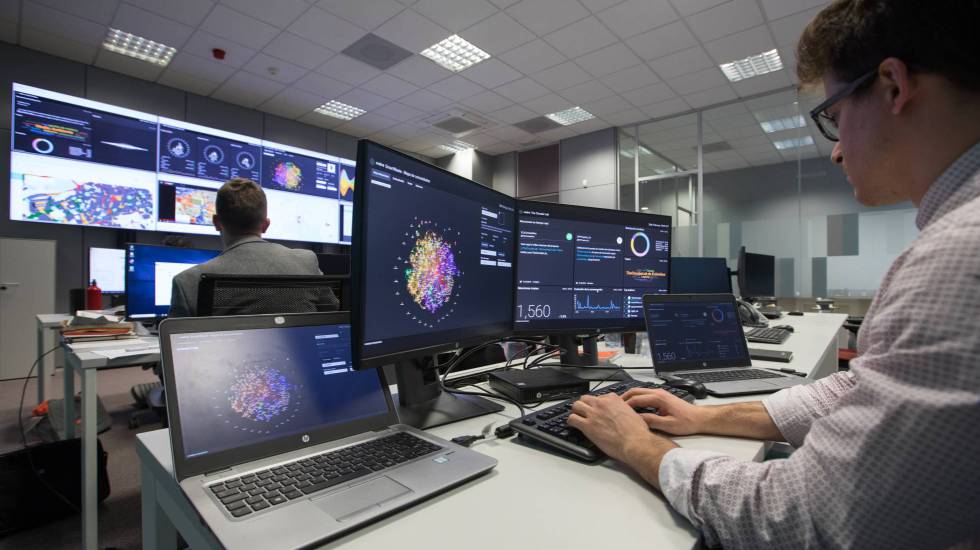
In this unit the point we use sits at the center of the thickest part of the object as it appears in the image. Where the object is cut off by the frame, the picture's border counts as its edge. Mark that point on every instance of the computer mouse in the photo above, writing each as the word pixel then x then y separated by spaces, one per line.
pixel 692 387
pixel 785 327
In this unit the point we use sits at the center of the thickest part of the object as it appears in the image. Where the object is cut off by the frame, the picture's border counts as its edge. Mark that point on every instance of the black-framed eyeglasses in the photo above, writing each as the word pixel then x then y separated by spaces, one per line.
pixel 828 124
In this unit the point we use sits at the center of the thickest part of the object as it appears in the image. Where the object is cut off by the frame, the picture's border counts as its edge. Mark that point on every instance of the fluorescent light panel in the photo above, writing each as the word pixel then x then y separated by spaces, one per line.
pixel 754 65
pixel 340 110
pixel 455 53
pixel 144 49
pixel 571 116
pixel 780 124
pixel 793 143
pixel 456 146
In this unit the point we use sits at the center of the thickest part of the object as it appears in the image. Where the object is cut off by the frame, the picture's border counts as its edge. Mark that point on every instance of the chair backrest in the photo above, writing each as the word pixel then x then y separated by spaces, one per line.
pixel 257 294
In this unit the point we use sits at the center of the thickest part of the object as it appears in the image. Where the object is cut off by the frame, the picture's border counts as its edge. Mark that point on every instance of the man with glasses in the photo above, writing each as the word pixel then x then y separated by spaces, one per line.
pixel 888 455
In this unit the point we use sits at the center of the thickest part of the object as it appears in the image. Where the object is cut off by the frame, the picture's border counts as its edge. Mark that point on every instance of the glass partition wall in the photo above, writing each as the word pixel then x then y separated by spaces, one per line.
pixel 757 173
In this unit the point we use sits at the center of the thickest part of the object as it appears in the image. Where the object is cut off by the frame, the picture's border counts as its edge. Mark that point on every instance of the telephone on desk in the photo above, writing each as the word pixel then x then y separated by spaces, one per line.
pixel 750 315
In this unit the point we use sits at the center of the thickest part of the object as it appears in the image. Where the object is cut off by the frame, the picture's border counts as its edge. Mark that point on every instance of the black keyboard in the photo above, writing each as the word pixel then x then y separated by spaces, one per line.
pixel 730 375
pixel 264 489
pixel 767 335
pixel 549 426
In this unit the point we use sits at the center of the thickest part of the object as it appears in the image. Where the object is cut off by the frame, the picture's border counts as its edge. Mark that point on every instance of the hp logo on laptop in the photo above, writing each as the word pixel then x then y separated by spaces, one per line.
pixel 305 438
pixel 704 364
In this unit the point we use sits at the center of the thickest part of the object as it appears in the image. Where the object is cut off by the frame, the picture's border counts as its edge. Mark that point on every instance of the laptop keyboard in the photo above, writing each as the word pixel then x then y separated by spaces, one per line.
pixel 264 489
pixel 730 375
pixel 767 335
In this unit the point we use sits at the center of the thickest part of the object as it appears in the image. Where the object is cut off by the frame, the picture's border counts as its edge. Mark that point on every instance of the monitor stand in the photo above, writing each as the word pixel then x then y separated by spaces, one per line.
pixel 423 404
pixel 586 364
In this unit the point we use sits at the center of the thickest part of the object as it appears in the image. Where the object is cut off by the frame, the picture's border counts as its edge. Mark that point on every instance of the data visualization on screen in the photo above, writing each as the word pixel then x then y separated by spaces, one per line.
pixel 692 331
pixel 81 162
pixel 437 256
pixel 587 268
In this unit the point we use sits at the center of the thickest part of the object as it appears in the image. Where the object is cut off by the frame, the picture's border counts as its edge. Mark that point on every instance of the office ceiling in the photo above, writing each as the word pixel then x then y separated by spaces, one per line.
pixel 625 61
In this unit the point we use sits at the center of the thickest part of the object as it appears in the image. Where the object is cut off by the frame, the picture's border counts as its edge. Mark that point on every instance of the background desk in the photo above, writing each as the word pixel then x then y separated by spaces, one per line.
pixel 531 499
pixel 47 324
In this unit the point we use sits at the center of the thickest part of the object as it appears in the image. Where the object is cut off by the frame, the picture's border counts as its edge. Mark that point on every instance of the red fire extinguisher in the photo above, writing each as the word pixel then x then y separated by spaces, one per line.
pixel 93 296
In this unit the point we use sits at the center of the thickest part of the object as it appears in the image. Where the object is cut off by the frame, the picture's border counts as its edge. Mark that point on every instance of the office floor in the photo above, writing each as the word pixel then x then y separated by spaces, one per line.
pixel 119 515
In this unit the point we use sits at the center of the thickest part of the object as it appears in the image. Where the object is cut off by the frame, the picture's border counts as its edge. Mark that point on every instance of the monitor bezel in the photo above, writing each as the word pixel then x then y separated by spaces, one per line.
pixel 128 294
pixel 448 339
pixel 88 269
pixel 575 326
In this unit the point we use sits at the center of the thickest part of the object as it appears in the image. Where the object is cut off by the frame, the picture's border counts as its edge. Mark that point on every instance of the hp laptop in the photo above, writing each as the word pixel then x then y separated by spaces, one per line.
pixel 278 442
pixel 699 337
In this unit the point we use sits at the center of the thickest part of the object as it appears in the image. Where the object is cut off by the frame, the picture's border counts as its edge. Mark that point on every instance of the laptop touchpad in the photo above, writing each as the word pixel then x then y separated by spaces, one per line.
pixel 358 499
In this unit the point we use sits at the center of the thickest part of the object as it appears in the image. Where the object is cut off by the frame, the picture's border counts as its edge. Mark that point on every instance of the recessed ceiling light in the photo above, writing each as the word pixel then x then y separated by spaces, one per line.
pixel 455 53
pixel 571 116
pixel 754 65
pixel 340 110
pixel 122 42
pixel 793 143
pixel 644 208
pixel 779 124
pixel 456 146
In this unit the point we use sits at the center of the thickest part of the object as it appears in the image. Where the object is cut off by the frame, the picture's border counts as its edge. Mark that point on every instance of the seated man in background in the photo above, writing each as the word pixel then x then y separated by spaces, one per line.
pixel 887 454
pixel 241 217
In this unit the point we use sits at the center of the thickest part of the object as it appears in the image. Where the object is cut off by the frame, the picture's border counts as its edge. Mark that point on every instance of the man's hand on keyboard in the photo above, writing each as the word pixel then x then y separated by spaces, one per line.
pixel 612 425
pixel 676 416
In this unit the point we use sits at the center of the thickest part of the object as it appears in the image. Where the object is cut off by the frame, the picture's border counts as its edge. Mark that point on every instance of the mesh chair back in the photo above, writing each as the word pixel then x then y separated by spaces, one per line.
pixel 252 294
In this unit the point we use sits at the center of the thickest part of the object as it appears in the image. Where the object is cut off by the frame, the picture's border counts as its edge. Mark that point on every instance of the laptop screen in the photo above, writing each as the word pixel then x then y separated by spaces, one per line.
pixel 689 334
pixel 241 387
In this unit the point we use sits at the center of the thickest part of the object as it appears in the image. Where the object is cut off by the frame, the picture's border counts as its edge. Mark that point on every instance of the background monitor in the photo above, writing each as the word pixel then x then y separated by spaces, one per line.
pixel 150 270
pixel 81 162
pixel 756 275
pixel 700 276
pixel 108 267
pixel 585 270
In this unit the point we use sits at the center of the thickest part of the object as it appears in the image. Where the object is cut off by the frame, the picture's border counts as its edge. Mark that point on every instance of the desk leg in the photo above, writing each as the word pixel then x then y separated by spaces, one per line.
pixel 90 464
pixel 69 382
pixel 41 362
pixel 158 531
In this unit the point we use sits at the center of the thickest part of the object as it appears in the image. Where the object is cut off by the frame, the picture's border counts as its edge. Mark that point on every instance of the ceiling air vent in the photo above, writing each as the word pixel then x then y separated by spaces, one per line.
pixel 716 147
pixel 537 125
pixel 377 52
pixel 457 122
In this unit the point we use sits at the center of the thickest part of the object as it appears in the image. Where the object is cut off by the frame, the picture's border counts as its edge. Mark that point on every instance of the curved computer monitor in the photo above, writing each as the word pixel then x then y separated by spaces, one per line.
pixel 585 270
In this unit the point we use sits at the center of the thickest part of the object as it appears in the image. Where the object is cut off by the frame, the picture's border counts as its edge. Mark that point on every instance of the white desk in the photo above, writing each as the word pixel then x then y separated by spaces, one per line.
pixel 47 323
pixel 528 492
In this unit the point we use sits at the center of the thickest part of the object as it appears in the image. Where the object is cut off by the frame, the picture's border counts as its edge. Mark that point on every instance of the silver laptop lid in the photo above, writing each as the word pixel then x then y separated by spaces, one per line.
pixel 694 332
pixel 246 387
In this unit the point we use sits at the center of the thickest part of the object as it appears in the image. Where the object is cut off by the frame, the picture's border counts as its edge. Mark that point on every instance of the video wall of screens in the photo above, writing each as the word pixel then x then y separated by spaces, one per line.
pixel 81 162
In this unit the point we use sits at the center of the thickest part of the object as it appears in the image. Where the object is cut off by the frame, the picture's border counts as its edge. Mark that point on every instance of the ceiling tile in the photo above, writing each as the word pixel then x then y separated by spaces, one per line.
pixel 607 106
pixel 665 108
pixel 551 103
pixel 188 12
pixel 98 11
pixel 246 89
pixel 681 63
pixel 411 31
pixel 740 45
pixel 513 115
pixel 297 50
pixel 662 41
pixel 689 7
pixel 521 90
pixel 487 102
pixel 240 28
pixel 481 140
pixel 348 69
pixel 182 81
pixel 599 5
pixel 402 131
pixel 631 78
pixel 63 24
pixel 366 124
pixel 426 101
pixel 398 111
pixel 61 46
pixel 713 96
pixel 725 19
pixel 367 14
pixel 508 133
pixel 581 37
pixel 622 118
pixel 608 60
pixel 326 29
pixel 200 67
pixel 149 25
pixel 726 111
pixel 279 13
pixel 636 16
pixel 787 30
pixel 503 3
pixel 456 87
pixel 491 73
pixel 647 95
pixel 739 120
pixel 586 92
pixel 323 86
pixel 389 86
pixel 455 15
pixel 292 103
pixel 201 44
pixel 763 83
pixel 776 9
pixel 695 82
pixel 264 66
pixel 497 34
pixel 322 121
pixel 532 57
pixel 363 99
pixel 419 71
pixel 127 65
pixel 562 76
pixel 545 16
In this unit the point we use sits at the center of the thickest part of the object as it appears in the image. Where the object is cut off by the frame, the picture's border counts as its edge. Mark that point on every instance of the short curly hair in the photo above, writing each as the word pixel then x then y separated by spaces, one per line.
pixel 848 38
pixel 241 205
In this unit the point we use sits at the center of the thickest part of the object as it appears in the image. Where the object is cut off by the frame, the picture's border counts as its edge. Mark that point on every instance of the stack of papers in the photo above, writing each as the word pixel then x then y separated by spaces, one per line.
pixel 96 325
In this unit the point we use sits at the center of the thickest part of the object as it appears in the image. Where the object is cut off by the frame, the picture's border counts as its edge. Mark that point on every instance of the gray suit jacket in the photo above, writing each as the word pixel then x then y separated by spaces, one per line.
pixel 248 256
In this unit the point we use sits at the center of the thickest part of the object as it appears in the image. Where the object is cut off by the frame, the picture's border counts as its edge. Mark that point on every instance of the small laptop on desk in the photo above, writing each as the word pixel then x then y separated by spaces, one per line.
pixel 699 337
pixel 279 443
